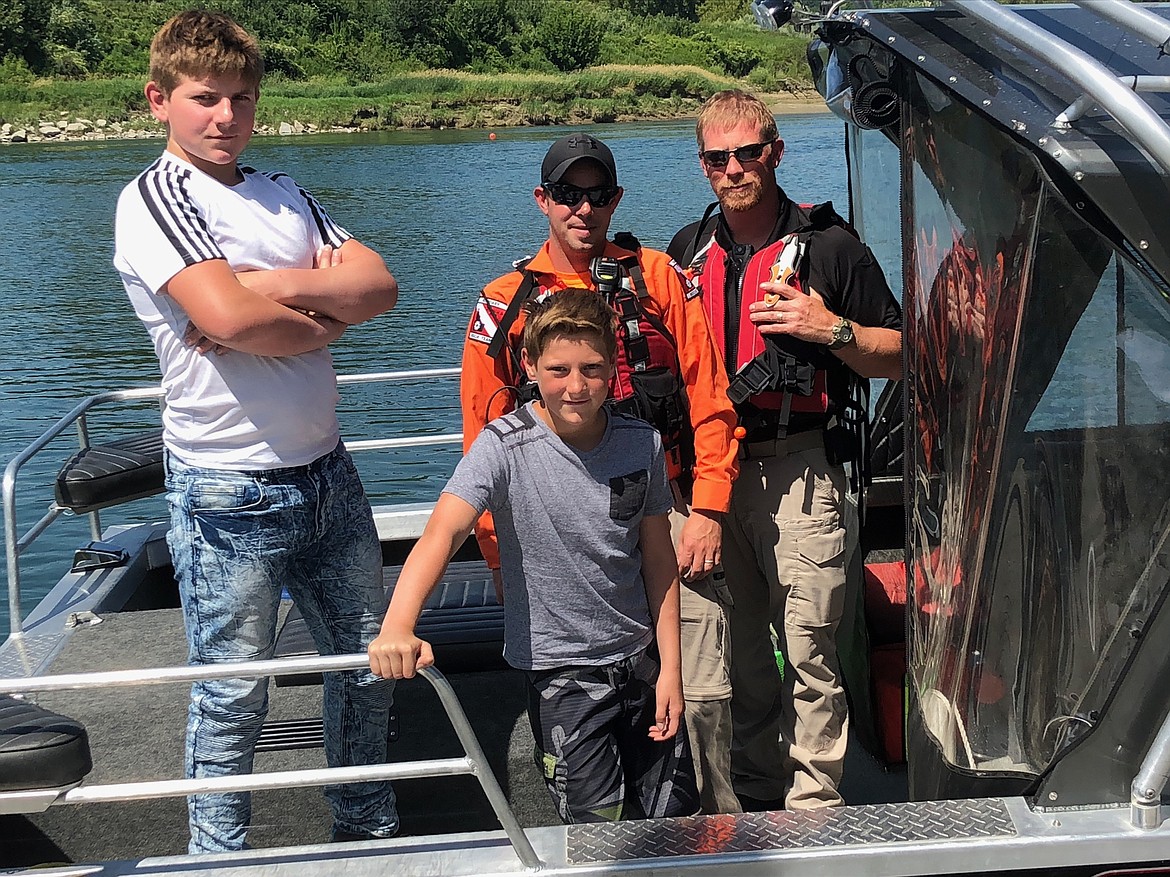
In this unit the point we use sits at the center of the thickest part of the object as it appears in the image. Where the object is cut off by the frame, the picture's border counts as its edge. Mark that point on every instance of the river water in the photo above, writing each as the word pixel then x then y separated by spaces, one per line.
pixel 449 210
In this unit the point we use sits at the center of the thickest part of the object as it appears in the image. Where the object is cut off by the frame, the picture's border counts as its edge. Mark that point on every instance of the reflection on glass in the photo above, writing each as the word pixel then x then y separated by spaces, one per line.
pixel 1039 368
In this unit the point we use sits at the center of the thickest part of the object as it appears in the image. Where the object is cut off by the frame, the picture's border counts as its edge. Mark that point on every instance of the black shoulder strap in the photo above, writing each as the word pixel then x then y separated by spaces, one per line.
pixel 523 293
pixel 634 268
pixel 693 246
pixel 629 307
pixel 824 215
pixel 627 241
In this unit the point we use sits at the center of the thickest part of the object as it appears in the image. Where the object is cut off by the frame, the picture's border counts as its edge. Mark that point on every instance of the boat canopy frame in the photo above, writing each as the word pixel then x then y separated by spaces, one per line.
pixel 894 71
pixel 1026 66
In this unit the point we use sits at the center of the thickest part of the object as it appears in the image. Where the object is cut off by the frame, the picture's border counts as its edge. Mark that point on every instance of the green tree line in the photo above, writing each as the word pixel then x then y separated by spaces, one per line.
pixel 367 40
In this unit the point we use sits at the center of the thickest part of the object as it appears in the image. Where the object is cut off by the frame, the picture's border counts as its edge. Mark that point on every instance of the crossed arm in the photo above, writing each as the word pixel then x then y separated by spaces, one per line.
pixel 287 311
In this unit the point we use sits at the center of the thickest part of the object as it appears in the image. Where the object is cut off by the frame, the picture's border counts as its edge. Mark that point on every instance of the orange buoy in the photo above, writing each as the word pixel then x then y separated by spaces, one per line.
pixel 492 136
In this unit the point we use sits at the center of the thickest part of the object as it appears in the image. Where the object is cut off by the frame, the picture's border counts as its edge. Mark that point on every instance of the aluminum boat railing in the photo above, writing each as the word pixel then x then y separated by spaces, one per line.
pixel 15 544
pixel 474 761
pixel 1100 84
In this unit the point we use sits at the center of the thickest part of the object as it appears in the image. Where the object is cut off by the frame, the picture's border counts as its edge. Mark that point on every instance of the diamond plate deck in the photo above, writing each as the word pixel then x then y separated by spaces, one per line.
pixel 783 829
pixel 26 657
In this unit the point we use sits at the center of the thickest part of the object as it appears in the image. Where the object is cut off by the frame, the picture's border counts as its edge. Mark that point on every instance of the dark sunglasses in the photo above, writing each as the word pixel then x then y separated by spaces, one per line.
pixel 720 157
pixel 570 196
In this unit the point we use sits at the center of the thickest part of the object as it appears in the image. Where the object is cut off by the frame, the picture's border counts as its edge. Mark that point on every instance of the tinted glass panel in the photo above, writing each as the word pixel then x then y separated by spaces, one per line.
pixel 973 195
pixel 1039 392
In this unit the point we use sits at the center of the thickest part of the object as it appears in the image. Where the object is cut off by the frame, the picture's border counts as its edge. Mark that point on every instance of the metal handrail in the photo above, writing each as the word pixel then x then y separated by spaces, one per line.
pixel 474 761
pixel 15 544
pixel 1077 109
pixel 1139 120
pixel 1152 28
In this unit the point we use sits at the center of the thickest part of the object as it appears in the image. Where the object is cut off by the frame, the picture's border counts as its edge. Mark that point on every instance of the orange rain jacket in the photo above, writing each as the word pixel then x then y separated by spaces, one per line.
pixel 679 307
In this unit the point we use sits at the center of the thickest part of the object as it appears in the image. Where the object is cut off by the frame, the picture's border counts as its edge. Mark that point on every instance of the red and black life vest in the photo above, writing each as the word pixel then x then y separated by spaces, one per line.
pixel 766 264
pixel 775 375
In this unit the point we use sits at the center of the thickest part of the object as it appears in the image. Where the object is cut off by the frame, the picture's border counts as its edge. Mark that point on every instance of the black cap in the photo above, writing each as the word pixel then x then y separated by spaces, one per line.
pixel 567 151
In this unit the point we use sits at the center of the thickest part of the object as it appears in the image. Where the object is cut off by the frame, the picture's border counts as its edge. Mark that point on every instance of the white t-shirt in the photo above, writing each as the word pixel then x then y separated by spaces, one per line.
pixel 232 411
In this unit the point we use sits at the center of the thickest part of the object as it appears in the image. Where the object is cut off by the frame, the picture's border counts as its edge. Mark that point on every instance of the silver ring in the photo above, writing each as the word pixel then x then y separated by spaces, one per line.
pixel 708 563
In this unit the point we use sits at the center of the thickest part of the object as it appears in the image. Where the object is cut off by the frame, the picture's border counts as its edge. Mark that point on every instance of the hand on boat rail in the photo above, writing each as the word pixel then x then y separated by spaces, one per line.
pixel 196 672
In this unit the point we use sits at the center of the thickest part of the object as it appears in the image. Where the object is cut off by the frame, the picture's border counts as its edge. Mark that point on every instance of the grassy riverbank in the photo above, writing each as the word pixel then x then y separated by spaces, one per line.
pixel 412 63
pixel 432 98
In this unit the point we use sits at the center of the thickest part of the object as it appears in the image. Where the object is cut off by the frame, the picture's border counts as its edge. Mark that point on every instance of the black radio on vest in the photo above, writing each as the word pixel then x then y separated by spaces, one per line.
pixel 607 274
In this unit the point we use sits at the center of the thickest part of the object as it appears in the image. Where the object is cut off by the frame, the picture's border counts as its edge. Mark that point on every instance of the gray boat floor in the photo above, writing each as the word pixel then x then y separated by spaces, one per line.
pixel 137 734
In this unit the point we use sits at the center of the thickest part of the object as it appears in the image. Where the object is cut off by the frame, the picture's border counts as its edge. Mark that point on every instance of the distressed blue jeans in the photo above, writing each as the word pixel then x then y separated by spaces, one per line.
pixel 237 539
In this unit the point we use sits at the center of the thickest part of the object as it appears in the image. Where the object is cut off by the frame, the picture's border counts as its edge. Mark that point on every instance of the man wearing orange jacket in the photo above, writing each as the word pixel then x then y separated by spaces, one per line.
pixel 669 373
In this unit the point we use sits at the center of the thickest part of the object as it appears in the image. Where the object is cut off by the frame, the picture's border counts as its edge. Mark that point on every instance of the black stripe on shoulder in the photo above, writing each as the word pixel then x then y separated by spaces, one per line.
pixel 331 233
pixel 516 424
pixel 164 191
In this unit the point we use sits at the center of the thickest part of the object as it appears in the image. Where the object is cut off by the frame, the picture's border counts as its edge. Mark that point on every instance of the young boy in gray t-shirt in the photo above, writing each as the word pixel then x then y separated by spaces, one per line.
pixel 591 593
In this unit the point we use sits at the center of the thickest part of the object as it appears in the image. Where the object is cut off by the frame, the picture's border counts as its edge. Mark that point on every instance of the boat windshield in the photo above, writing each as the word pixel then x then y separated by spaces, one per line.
pixel 1038 387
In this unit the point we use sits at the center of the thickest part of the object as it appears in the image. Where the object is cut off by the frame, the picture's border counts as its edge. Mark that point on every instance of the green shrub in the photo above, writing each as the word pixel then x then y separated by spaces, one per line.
pixel 667 8
pixel 722 10
pixel 482 22
pixel 125 60
pixel 281 59
pixel 570 34
pixel 736 59
pixel 14 71
pixel 66 62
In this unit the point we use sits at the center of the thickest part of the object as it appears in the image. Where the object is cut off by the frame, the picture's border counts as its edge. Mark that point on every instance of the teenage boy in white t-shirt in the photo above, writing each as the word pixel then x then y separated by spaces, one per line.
pixel 242 281
pixel 591 591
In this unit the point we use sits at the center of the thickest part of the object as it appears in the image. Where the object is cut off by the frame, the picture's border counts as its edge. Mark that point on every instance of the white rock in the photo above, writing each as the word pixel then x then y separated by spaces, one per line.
pixel 6 128
pixel 101 123
pixel 298 128
pixel 48 130
pixel 285 128
pixel 20 135
pixel 76 128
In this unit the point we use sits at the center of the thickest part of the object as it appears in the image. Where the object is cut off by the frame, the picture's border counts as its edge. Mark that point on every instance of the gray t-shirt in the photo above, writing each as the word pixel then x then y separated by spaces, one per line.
pixel 568 524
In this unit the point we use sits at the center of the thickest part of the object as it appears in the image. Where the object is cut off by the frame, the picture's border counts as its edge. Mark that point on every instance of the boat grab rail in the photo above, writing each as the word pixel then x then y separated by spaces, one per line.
pixel 474 761
pixel 15 544
pixel 1139 120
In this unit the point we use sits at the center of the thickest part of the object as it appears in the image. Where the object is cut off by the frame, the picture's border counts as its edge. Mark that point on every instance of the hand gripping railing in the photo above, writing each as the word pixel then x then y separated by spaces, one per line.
pixel 15 544
pixel 474 761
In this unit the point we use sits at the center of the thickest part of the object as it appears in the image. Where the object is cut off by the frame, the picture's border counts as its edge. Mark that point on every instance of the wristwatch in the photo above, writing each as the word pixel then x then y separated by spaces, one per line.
pixel 842 334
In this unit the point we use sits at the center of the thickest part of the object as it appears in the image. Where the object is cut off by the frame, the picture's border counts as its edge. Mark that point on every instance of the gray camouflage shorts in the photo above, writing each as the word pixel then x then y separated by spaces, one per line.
pixel 591 726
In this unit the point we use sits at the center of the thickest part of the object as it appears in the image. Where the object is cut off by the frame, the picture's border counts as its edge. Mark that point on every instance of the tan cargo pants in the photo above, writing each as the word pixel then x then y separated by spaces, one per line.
pixel 784 556
pixel 706 686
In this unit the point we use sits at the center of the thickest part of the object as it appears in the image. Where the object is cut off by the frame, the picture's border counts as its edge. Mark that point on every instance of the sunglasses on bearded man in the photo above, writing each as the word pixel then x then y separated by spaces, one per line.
pixel 719 157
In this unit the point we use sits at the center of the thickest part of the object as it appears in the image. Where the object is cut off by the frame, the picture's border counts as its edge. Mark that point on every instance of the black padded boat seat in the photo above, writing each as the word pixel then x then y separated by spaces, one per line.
pixel 112 473
pixel 461 620
pixel 40 749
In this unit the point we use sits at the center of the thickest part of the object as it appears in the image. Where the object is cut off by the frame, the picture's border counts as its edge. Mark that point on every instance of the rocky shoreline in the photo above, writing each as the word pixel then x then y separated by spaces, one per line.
pixel 68 128
pixel 77 129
